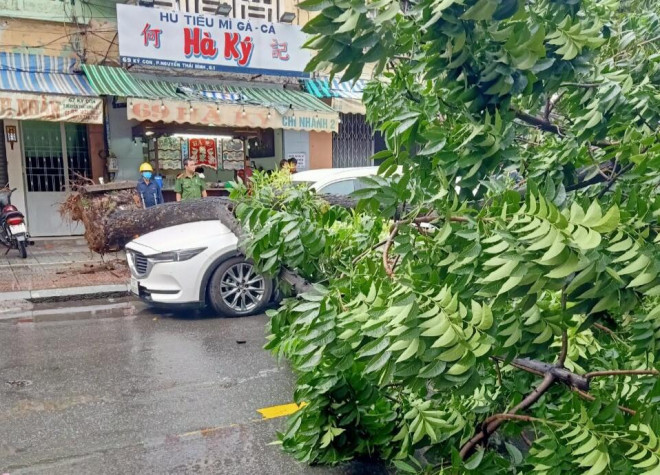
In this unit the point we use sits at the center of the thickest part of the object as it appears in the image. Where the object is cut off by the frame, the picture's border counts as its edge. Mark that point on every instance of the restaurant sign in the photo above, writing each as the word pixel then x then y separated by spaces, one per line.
pixel 52 108
pixel 173 39
pixel 230 115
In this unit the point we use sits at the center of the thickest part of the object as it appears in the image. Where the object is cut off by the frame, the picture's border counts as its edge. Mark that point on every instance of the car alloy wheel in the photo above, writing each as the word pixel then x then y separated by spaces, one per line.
pixel 241 288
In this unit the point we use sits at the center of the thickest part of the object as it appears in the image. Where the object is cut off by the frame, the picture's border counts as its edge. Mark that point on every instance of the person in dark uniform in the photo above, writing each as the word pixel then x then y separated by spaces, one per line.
pixel 148 192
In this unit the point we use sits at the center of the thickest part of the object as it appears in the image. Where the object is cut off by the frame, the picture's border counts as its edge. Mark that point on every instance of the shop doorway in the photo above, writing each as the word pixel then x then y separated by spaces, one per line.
pixel 353 145
pixel 54 154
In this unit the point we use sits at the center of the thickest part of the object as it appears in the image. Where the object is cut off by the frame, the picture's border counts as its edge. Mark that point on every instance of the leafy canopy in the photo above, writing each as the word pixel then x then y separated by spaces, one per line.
pixel 493 307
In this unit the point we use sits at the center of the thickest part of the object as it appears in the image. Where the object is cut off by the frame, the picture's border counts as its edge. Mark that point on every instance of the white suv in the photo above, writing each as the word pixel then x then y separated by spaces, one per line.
pixel 198 263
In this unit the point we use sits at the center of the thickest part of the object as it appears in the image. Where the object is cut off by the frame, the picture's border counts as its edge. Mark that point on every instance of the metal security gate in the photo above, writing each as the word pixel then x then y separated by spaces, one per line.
pixel 54 153
pixel 353 145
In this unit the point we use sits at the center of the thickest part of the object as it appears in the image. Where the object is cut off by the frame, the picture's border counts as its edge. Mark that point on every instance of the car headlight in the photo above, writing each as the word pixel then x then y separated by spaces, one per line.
pixel 177 256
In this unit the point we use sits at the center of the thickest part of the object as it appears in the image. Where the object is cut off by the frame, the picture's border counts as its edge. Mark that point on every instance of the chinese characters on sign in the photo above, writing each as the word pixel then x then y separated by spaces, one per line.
pixel 155 37
pixel 204 152
pixel 151 35
pixel 280 50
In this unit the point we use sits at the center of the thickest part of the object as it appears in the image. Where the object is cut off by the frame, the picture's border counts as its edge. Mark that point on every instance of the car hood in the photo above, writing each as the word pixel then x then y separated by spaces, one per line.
pixel 175 238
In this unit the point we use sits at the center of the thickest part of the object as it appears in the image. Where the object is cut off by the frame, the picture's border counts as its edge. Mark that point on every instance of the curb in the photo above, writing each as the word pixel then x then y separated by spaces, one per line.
pixel 65 293
pixel 44 314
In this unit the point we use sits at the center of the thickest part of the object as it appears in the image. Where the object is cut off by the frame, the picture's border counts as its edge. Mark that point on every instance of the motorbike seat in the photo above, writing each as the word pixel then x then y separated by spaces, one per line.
pixel 12 214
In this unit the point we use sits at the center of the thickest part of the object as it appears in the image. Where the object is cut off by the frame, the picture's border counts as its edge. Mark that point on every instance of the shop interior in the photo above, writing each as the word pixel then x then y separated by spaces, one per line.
pixel 222 152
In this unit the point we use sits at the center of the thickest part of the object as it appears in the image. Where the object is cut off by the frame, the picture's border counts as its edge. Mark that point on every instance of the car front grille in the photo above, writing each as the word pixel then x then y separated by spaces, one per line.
pixel 141 263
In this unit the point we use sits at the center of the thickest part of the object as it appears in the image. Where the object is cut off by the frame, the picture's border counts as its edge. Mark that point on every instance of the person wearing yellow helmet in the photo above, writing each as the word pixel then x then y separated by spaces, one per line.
pixel 148 192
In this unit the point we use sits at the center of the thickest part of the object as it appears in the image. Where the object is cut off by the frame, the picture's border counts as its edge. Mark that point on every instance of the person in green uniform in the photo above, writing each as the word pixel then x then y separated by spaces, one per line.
pixel 189 185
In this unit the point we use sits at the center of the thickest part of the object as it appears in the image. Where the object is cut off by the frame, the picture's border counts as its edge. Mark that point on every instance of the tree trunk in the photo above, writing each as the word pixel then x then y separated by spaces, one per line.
pixel 123 226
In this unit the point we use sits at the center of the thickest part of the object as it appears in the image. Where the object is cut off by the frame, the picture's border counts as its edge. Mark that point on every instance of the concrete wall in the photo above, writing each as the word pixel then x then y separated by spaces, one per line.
pixel 320 150
pixel 297 142
pixel 120 140
pixel 15 168
pixel 18 35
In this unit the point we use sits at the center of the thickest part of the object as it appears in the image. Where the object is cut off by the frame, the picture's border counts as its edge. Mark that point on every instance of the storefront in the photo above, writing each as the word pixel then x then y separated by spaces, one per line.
pixel 53 135
pixel 222 126
pixel 355 142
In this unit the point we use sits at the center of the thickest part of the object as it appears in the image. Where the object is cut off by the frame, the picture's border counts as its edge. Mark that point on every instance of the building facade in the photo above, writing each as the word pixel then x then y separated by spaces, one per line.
pixel 96 88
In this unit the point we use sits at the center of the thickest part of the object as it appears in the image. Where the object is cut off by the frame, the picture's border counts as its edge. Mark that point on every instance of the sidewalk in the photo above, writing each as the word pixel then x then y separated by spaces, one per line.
pixel 60 267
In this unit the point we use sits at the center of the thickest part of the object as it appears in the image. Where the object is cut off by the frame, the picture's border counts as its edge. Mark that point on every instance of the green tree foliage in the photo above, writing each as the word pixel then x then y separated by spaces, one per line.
pixel 492 303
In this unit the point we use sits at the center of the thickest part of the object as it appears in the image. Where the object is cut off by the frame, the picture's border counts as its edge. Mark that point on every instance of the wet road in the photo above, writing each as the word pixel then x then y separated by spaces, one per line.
pixel 128 390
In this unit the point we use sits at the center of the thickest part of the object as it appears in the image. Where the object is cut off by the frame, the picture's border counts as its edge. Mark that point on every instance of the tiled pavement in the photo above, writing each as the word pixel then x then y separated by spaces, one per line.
pixel 60 263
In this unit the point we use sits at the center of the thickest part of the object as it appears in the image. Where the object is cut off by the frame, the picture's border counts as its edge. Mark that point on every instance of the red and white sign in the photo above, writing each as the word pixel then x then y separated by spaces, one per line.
pixel 165 38
pixel 204 152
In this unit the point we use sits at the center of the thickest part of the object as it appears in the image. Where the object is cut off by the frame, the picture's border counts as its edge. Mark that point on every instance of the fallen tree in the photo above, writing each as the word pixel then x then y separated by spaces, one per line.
pixel 112 219
pixel 511 337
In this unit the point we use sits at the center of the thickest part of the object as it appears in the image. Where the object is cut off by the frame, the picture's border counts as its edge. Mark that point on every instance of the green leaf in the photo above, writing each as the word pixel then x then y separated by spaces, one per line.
pixel 482 10
pixel 571 265
pixel 410 351
pixel 404 467
pixel 516 455
pixel 388 14
pixel 501 272
pixel 350 23
pixel 557 248
pixel 609 222
pixel 593 216
pixel 474 461
pixel 637 265
pixel 621 246
pixel 377 362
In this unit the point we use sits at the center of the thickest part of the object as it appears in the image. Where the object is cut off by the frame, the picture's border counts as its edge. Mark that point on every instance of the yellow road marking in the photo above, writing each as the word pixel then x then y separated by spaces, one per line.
pixel 272 412
pixel 280 411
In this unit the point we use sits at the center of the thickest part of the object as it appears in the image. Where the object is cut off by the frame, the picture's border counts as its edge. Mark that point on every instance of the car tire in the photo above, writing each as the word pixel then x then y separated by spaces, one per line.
pixel 237 290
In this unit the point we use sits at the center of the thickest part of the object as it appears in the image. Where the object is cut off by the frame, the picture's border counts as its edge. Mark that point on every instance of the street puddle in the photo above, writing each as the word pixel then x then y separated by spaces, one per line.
pixel 48 313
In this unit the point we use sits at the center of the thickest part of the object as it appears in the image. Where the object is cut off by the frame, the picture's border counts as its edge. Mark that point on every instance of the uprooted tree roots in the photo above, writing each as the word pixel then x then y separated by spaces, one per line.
pixel 92 210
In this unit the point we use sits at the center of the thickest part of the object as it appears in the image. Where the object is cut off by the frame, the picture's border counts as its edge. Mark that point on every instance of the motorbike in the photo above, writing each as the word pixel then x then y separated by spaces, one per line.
pixel 13 230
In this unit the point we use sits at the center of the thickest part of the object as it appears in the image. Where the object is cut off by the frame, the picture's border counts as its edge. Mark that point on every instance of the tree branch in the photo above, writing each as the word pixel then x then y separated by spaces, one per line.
pixel 372 248
pixel 540 368
pixel 622 372
pixel 586 85
pixel 613 178
pixel 547 126
pixel 610 332
pixel 299 284
pixel 591 398
pixel 490 427
pixel 564 343
pixel 386 251
pixel 499 373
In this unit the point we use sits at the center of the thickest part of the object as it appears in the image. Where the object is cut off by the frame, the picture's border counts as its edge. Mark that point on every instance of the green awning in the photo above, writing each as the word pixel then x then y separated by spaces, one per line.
pixel 323 88
pixel 111 81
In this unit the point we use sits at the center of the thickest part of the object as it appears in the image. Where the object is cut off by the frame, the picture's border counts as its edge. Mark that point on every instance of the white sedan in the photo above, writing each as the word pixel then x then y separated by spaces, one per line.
pixel 195 264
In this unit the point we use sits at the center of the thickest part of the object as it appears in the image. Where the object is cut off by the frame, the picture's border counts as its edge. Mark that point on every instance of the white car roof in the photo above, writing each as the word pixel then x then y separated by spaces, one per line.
pixel 327 174
pixel 323 176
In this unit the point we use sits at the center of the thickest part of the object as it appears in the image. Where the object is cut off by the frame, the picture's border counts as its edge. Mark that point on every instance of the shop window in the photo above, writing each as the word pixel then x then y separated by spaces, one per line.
pixel 263 146
pixel 77 150
pixel 45 170
pixel 43 156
